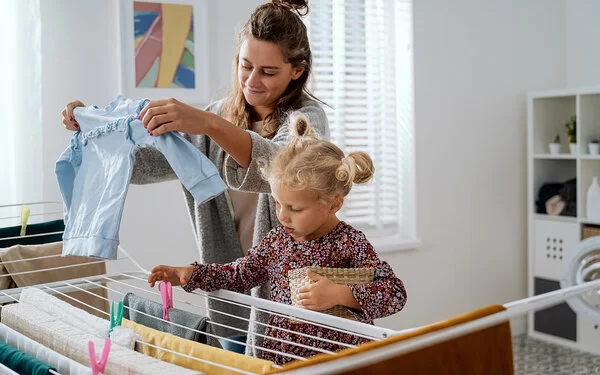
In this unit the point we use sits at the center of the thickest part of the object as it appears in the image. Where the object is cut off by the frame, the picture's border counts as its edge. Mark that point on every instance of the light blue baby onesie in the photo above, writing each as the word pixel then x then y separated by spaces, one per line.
pixel 94 172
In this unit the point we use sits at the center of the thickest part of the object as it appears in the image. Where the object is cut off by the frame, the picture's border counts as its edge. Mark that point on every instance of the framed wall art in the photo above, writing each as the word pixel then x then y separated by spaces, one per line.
pixel 164 49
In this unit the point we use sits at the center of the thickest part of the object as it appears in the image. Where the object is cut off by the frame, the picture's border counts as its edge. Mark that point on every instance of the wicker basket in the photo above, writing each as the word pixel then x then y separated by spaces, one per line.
pixel 298 279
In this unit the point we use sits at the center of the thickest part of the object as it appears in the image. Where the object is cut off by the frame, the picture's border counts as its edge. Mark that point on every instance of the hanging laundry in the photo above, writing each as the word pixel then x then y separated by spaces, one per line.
pixel 73 343
pixel 138 308
pixel 44 233
pixel 76 317
pixel 62 364
pixel 21 362
pixel 6 281
pixel 195 350
pixel 487 350
pixel 17 261
pixel 95 170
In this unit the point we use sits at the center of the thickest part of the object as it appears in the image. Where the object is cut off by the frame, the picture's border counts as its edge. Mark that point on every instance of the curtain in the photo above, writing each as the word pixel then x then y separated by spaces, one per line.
pixel 20 102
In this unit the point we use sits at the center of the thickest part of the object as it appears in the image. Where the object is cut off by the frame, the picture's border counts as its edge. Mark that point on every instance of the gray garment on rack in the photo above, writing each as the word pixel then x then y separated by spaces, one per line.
pixel 213 223
pixel 184 318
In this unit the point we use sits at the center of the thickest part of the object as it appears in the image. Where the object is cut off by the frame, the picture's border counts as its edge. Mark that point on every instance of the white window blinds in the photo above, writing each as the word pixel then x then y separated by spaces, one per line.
pixel 362 68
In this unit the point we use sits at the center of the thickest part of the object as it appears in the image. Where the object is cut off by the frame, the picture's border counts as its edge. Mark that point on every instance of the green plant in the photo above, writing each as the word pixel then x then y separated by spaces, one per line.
pixel 556 138
pixel 594 140
pixel 571 127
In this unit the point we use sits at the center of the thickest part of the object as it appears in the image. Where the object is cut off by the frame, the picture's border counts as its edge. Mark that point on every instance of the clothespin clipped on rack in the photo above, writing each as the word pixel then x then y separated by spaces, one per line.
pixel 98 367
pixel 115 318
pixel 166 293
pixel 24 219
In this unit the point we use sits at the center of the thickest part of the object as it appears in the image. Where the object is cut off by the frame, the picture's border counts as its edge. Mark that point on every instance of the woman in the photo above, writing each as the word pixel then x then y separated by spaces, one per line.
pixel 271 70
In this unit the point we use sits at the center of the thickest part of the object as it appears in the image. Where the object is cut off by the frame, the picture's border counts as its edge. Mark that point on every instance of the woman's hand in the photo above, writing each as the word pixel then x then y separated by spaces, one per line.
pixel 67 114
pixel 161 116
pixel 323 294
pixel 176 275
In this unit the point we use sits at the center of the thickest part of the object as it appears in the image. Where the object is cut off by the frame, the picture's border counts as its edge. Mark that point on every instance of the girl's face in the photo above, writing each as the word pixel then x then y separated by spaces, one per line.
pixel 303 215
pixel 263 74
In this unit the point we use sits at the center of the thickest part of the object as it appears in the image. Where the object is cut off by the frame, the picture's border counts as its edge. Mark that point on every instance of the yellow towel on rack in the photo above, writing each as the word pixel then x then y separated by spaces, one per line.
pixel 487 351
pixel 196 350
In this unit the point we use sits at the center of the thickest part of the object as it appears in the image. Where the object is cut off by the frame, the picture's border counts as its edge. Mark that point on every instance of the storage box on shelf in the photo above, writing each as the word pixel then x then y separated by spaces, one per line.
pixel 552 239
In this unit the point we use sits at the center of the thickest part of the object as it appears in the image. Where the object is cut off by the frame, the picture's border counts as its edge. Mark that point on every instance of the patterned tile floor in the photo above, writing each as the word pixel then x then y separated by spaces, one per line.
pixel 534 357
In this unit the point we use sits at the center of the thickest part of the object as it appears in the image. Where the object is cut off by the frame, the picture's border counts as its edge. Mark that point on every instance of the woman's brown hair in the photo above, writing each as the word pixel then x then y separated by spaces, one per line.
pixel 279 22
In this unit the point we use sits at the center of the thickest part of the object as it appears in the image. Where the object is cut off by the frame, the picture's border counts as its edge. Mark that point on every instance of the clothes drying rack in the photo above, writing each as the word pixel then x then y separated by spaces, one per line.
pixel 121 283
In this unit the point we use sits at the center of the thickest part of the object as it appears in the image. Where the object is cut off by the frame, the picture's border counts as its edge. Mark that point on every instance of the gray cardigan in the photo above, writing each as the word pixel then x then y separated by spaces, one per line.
pixel 216 236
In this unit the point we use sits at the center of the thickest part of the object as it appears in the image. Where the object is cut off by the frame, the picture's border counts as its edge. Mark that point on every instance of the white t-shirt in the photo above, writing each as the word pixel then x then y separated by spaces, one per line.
pixel 244 208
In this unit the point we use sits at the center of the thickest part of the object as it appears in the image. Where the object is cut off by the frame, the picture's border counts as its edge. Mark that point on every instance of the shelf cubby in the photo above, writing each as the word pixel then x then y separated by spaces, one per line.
pixel 549 117
pixel 552 170
pixel 588 122
pixel 587 170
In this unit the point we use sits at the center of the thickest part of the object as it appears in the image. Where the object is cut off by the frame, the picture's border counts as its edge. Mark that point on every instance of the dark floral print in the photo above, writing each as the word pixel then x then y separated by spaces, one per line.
pixel 276 254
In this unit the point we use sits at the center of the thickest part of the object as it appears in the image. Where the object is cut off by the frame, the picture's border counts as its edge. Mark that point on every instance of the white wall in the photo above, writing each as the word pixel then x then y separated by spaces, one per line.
pixel 583 34
pixel 474 61
pixel 81 61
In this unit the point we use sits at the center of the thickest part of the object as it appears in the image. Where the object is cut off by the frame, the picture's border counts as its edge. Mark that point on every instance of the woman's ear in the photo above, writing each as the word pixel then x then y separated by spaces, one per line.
pixel 298 71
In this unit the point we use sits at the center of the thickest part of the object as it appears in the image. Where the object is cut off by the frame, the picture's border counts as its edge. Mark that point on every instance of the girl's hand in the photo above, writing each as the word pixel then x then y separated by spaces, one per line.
pixel 161 116
pixel 176 275
pixel 322 294
pixel 67 115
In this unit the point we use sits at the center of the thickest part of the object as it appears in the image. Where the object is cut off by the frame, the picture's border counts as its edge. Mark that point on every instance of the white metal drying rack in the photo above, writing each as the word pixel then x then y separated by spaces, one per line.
pixel 124 280
pixel 57 212
pixel 127 280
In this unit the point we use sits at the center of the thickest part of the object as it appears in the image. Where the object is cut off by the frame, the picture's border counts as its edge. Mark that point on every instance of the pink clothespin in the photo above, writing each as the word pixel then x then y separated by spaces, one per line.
pixel 98 367
pixel 166 293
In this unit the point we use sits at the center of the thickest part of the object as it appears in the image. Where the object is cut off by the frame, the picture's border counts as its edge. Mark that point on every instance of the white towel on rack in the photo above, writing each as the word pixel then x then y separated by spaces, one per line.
pixel 77 317
pixel 62 364
pixel 73 343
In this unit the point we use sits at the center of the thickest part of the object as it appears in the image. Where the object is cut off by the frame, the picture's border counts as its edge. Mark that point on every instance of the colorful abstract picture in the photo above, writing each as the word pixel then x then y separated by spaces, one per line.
pixel 164 45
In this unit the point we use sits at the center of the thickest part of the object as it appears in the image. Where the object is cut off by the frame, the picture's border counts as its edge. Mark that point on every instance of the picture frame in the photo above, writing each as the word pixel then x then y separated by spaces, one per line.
pixel 164 50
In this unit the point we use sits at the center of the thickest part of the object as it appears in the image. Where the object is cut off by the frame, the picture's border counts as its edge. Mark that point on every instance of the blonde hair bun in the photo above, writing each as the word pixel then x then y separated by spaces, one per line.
pixel 310 163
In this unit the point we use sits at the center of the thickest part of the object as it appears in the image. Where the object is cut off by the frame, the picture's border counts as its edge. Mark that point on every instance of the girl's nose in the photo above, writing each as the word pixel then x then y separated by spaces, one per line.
pixel 283 216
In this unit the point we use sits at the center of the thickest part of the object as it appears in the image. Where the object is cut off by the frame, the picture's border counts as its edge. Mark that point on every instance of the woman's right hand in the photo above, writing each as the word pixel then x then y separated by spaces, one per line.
pixel 175 275
pixel 67 114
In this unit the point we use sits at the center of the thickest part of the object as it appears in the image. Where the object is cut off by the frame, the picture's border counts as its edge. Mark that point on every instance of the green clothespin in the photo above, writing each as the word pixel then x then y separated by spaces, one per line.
pixel 24 219
pixel 120 313
pixel 118 319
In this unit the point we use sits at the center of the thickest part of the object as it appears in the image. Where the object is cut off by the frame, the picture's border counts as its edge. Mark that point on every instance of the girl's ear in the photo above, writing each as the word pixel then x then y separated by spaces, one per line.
pixel 336 204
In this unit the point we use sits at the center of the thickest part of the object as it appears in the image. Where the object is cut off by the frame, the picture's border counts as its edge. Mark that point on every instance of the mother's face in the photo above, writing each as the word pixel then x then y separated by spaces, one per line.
pixel 263 73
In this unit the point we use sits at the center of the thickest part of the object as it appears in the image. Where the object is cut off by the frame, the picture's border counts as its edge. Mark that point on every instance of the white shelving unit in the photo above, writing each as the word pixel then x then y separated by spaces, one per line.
pixel 552 239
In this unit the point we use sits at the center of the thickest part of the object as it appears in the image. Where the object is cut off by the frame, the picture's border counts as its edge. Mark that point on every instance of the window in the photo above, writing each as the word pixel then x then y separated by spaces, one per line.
pixel 362 68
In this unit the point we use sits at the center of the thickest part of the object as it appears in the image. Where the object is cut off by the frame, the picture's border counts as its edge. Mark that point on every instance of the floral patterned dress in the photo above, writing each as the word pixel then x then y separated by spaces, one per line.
pixel 276 254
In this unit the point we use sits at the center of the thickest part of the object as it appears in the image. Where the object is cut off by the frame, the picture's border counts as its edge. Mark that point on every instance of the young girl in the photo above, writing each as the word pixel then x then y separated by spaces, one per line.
pixel 309 179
